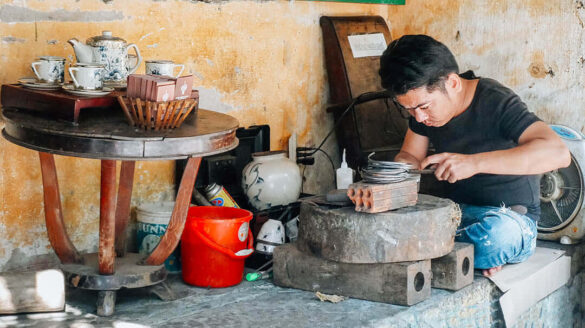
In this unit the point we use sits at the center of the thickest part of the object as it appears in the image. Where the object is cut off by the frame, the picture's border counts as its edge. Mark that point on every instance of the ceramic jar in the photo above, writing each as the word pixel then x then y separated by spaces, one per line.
pixel 271 179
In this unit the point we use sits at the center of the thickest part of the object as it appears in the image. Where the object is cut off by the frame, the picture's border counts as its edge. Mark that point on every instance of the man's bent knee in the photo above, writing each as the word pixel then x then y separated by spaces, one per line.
pixel 497 239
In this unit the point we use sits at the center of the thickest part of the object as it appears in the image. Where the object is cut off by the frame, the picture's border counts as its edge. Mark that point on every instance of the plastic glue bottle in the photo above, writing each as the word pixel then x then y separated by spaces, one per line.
pixel 344 174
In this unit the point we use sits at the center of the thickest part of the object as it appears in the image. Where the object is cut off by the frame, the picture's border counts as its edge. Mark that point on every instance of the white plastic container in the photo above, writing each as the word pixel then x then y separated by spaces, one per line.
pixel 344 174
pixel 152 221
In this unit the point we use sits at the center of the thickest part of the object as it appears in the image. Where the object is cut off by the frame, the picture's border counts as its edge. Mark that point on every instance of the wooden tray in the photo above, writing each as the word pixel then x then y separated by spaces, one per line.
pixel 57 104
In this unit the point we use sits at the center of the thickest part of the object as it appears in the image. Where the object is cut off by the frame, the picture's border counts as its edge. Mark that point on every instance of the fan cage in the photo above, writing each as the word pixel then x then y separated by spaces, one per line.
pixel 560 210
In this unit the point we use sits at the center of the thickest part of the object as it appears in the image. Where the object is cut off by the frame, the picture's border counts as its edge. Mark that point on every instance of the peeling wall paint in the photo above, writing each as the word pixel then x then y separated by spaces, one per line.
pixel 261 62
pixel 16 14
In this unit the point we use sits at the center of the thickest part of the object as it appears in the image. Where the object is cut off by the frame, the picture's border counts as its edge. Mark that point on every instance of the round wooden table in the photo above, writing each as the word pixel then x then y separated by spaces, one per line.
pixel 104 134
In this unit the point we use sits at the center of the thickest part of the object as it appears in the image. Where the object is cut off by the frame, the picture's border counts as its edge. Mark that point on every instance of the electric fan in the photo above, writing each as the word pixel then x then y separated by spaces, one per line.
pixel 561 193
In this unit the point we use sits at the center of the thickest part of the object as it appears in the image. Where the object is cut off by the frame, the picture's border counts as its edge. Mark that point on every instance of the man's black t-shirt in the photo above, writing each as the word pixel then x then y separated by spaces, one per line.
pixel 494 121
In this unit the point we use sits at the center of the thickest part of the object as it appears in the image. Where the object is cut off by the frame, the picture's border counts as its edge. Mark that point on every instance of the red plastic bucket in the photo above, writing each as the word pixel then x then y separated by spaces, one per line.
pixel 214 245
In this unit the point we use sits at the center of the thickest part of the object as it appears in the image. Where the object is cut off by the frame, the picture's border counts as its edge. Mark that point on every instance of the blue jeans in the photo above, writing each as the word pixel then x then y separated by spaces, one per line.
pixel 498 234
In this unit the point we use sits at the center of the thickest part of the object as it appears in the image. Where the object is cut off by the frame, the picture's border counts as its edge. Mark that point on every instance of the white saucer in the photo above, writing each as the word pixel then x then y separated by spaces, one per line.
pixel 32 83
pixel 87 93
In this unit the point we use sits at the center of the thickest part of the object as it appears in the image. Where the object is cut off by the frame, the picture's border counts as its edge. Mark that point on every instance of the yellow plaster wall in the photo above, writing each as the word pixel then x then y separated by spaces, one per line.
pixel 261 62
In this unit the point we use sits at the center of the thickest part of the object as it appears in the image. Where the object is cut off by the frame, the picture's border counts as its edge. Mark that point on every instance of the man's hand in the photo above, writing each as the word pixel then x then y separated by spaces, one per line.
pixel 451 167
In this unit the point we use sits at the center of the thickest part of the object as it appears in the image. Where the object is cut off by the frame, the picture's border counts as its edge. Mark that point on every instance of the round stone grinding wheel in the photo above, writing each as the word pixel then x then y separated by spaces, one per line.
pixel 424 231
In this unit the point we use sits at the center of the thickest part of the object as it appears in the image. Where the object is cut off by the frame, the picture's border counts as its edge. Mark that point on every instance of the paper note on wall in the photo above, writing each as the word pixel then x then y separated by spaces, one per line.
pixel 367 45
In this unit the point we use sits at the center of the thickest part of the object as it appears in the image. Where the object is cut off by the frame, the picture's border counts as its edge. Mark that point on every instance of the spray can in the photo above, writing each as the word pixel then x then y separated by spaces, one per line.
pixel 218 196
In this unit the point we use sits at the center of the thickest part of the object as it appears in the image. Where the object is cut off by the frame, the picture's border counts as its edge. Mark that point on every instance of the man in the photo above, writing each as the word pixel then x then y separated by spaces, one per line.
pixel 489 147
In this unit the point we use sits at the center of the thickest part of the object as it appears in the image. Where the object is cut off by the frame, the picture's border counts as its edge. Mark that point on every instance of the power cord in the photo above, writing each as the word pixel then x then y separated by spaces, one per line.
pixel 304 154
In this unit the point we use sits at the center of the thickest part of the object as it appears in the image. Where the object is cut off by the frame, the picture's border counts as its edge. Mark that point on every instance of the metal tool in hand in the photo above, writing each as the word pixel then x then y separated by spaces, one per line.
pixel 423 171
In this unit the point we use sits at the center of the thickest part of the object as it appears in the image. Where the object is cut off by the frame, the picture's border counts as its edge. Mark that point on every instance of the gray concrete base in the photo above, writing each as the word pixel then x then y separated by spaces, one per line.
pixel 261 304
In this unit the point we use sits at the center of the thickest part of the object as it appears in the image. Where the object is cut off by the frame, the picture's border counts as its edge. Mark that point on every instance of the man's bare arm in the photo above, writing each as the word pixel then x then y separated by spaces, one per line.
pixel 414 149
pixel 539 150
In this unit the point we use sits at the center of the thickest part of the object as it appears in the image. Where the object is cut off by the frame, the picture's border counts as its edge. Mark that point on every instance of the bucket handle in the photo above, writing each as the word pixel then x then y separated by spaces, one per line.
pixel 234 255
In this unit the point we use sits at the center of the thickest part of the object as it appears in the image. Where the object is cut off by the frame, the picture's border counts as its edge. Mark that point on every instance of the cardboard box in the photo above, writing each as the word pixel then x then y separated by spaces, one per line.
pixel 184 84
pixel 164 92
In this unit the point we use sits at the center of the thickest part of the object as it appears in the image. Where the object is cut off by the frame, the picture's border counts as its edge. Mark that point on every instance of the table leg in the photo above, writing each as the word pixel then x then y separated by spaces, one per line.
pixel 58 236
pixel 171 238
pixel 106 302
pixel 123 205
pixel 106 251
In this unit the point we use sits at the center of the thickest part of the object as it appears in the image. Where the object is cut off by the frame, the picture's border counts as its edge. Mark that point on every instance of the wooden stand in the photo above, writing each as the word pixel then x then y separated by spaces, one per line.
pixel 109 138
pixel 57 104
pixel 114 212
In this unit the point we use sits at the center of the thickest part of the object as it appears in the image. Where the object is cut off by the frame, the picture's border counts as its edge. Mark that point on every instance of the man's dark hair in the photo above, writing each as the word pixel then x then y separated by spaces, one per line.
pixel 414 61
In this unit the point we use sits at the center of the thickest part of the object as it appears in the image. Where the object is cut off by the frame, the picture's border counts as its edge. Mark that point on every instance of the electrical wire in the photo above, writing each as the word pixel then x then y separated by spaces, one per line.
pixel 330 161
pixel 364 97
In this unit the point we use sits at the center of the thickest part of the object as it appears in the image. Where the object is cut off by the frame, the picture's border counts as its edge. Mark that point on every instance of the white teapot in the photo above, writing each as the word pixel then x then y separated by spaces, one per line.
pixel 110 51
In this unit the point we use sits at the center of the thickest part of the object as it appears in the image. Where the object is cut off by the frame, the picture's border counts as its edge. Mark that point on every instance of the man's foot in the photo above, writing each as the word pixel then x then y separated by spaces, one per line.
pixel 490 272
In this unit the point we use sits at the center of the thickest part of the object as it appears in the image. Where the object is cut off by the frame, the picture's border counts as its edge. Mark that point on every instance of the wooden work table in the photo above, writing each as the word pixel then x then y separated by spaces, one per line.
pixel 109 138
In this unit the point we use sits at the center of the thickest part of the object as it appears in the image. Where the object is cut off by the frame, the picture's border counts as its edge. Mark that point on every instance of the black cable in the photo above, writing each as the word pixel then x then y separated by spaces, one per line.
pixel 310 151
pixel 364 97
pixel 326 154
pixel 330 161
pixel 303 178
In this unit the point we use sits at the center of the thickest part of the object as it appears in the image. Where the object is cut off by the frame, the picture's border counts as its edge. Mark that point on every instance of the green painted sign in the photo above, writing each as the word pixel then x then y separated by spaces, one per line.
pixel 382 2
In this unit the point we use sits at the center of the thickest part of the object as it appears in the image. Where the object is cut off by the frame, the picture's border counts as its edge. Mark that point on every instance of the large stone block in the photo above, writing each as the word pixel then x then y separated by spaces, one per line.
pixel 404 283
pixel 423 231
pixel 454 270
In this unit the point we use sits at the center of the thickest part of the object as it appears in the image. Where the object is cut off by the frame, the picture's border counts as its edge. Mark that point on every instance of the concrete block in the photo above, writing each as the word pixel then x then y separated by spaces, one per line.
pixel 454 270
pixel 404 283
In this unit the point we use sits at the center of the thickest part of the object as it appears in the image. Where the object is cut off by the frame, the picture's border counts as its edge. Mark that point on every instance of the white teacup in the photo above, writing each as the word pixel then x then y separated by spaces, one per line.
pixel 87 76
pixel 163 67
pixel 49 69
